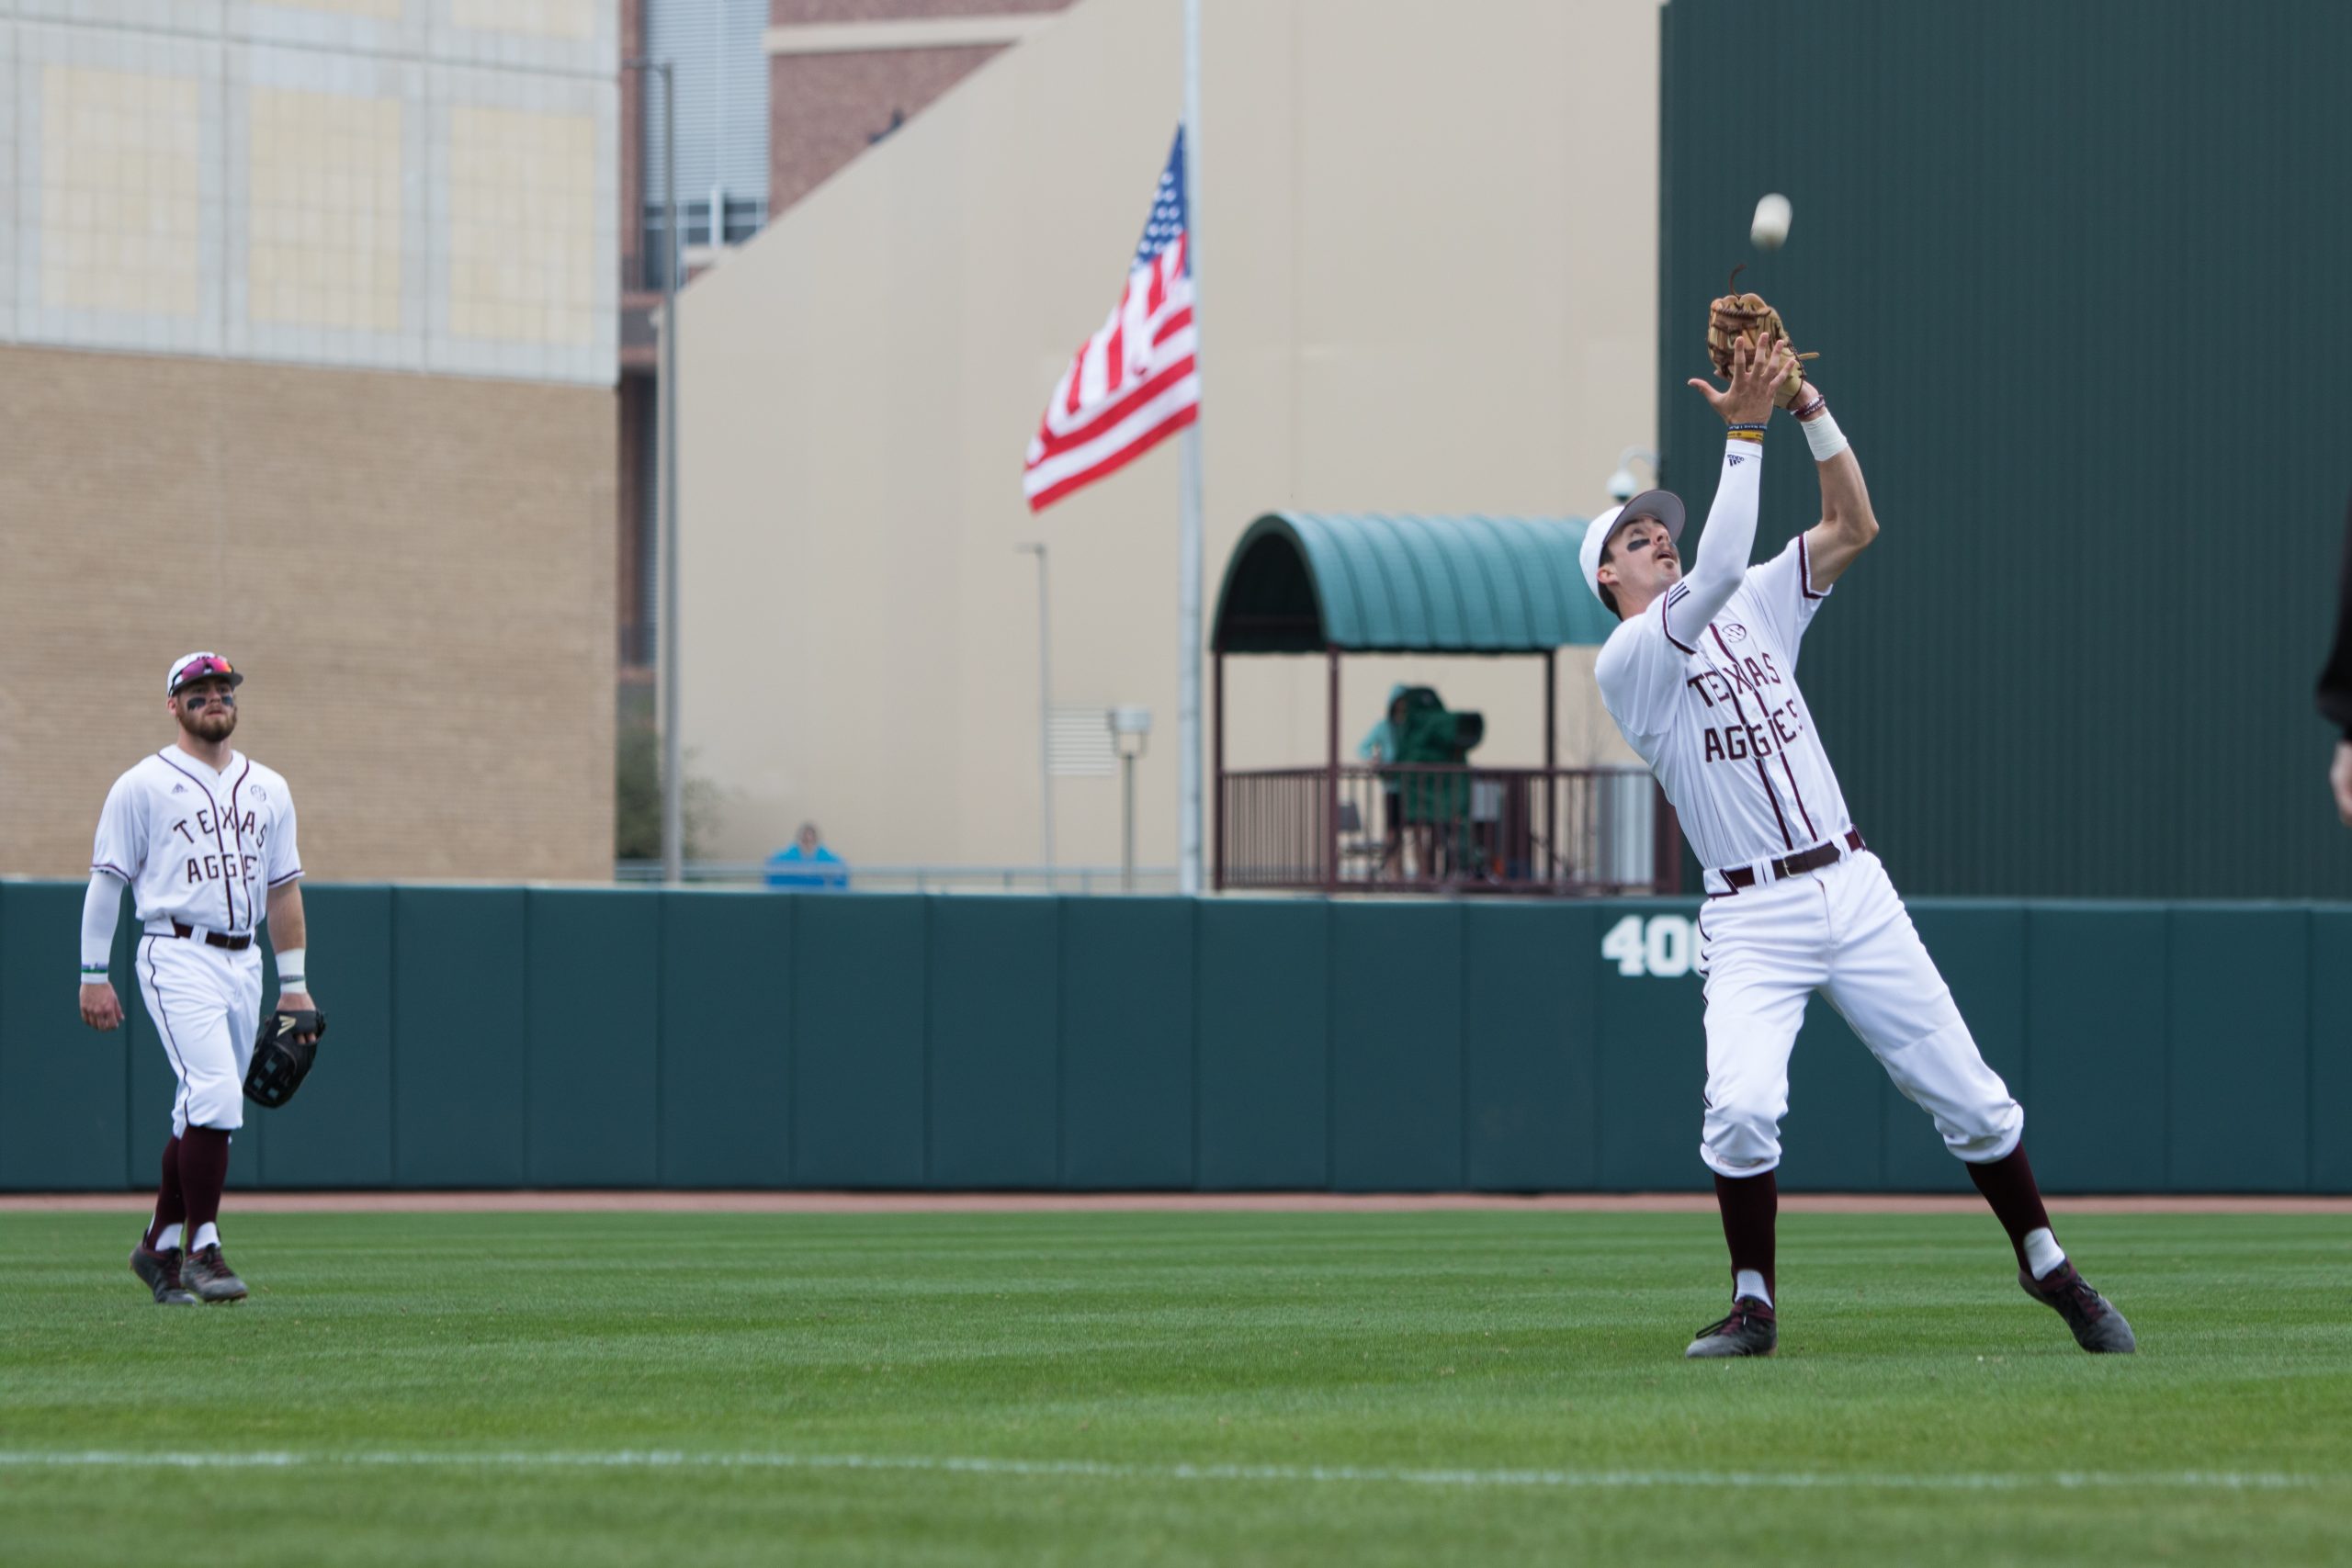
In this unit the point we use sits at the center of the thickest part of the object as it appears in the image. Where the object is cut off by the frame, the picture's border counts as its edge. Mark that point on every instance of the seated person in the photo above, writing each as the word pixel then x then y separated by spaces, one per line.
pixel 807 862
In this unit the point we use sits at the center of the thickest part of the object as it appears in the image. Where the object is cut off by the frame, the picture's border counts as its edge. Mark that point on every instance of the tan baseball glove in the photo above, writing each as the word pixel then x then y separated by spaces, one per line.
pixel 1735 316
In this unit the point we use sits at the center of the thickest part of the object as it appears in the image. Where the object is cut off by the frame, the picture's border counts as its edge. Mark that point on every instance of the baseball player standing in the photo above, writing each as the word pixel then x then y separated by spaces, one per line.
pixel 1700 676
pixel 204 837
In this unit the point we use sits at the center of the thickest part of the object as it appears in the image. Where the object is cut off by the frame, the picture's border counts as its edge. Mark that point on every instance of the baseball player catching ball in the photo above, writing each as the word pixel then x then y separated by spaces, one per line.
pixel 1700 676
pixel 204 837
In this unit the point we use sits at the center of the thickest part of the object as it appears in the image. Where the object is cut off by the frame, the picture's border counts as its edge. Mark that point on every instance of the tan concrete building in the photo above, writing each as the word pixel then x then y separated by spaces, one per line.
pixel 838 77
pixel 1428 279
pixel 307 319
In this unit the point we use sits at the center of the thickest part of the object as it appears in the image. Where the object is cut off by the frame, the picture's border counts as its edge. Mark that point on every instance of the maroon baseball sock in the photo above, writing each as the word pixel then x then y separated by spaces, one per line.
pixel 204 1169
pixel 2008 1184
pixel 1751 1204
pixel 171 1208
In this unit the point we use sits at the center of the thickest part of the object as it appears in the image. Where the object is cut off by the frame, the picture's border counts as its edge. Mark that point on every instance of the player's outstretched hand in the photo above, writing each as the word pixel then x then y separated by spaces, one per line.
pixel 100 1009
pixel 2339 779
pixel 1757 370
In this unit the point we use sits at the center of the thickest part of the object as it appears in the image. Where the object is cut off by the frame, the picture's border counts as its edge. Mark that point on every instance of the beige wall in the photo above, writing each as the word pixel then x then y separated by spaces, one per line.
pixel 410 185
pixel 1428 284
pixel 415 573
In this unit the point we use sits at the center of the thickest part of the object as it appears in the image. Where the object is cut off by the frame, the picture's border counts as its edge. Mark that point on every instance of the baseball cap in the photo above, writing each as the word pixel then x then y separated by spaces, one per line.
pixel 1662 504
pixel 196 667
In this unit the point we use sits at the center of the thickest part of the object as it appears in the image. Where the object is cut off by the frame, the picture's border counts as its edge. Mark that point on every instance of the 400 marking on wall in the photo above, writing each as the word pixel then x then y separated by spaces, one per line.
pixel 1659 945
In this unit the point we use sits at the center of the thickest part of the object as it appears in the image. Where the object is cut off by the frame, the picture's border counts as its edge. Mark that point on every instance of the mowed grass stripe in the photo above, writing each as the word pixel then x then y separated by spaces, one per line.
pixel 1605 1479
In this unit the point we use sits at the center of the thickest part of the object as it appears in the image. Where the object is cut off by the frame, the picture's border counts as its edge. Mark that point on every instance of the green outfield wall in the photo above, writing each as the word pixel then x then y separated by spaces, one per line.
pixel 2060 262
pixel 509 1037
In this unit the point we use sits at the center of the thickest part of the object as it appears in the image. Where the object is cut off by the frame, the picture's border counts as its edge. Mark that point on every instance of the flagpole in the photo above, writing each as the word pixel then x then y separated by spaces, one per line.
pixel 1188 592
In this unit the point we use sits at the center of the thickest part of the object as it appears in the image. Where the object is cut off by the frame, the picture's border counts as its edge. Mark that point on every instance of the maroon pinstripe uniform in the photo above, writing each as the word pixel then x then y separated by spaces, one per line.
pixel 1703 682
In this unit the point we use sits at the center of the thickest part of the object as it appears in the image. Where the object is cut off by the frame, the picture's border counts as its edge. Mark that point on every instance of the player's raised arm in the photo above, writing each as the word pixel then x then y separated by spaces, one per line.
pixel 1847 525
pixel 1730 538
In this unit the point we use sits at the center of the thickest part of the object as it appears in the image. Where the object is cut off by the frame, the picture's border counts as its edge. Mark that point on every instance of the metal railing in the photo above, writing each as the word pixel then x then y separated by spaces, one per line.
pixel 1428 828
pixel 1078 879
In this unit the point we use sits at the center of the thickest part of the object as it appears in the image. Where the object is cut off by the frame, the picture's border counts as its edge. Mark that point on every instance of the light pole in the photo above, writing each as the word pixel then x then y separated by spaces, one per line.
pixel 1130 732
pixel 1623 485
pixel 1044 708
pixel 1189 506
pixel 673 813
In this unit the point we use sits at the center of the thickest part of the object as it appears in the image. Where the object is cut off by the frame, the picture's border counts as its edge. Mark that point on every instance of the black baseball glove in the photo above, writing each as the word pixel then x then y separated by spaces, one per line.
pixel 289 1043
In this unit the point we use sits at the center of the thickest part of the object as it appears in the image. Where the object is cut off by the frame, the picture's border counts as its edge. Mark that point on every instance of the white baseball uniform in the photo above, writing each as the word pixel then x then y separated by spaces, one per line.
pixel 1703 682
pixel 201 852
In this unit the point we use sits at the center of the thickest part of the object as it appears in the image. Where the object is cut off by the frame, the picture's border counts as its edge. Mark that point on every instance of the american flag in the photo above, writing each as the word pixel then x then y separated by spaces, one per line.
pixel 1135 382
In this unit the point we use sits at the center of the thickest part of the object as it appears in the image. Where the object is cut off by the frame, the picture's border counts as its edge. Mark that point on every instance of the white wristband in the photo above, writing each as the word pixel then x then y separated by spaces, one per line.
pixel 1821 433
pixel 289 969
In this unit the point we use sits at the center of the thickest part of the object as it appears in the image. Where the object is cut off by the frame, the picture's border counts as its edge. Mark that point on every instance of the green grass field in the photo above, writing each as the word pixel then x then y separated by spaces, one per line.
pixel 1111 1388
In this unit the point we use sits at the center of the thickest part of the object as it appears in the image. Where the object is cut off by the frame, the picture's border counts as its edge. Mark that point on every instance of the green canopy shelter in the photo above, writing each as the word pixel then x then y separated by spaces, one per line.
pixel 1337 583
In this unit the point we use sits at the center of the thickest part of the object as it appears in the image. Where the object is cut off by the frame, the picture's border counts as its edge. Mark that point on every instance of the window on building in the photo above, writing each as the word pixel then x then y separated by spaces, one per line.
pixel 722 121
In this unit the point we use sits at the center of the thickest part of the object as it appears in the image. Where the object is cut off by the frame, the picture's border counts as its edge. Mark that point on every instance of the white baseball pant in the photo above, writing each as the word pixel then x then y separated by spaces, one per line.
pixel 1841 930
pixel 206 1002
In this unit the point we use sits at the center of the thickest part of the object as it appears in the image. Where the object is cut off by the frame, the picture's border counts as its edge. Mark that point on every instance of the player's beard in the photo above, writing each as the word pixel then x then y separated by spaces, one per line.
pixel 211 724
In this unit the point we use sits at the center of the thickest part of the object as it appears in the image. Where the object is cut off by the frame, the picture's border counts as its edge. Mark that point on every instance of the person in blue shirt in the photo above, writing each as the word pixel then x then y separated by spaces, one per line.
pixel 1379 744
pixel 806 863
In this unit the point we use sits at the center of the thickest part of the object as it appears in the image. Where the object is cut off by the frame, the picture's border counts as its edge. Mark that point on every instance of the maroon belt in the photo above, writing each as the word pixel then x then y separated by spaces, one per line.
pixel 1797 865
pixel 214 939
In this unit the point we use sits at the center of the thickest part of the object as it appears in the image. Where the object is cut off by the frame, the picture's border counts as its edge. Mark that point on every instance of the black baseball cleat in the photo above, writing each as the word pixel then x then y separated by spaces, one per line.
pixel 208 1275
pixel 2097 1327
pixel 1751 1330
pixel 160 1272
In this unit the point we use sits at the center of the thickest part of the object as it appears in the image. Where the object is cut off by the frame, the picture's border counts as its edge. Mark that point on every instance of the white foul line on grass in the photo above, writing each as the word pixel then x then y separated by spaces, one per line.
pixel 1595 1479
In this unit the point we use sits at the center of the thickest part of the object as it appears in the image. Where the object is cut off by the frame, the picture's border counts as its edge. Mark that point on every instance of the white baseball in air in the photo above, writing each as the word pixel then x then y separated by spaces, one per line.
pixel 1770 226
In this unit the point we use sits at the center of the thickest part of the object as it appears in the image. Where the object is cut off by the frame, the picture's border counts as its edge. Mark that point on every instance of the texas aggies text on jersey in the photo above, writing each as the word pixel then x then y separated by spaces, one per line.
pixel 1715 712
pixel 198 848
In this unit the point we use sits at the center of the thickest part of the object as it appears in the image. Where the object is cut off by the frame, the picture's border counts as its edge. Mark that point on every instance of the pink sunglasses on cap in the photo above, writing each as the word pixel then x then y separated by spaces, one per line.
pixel 202 667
